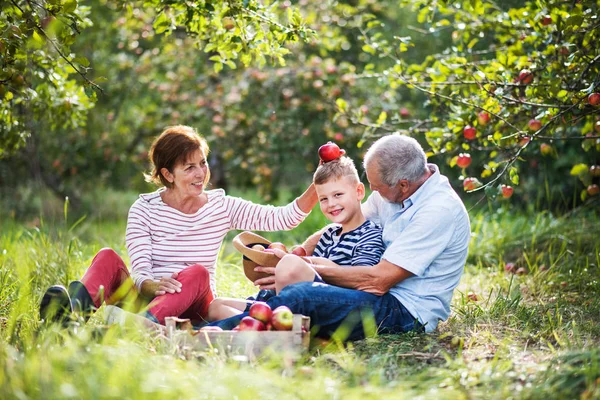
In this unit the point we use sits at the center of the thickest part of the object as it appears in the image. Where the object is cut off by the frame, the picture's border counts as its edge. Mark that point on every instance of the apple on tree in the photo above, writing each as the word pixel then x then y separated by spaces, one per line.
pixel 483 118
pixel 471 184
pixel 595 171
pixel 463 160
pixel 525 77
pixel 594 99
pixel 534 124
pixel 404 113
pixel 546 20
pixel 282 319
pixel 469 132
pixel 507 191
pixel 546 149
pixel 593 190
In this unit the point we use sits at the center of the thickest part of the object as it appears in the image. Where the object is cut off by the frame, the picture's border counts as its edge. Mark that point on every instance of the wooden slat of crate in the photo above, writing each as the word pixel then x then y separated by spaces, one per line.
pixel 248 343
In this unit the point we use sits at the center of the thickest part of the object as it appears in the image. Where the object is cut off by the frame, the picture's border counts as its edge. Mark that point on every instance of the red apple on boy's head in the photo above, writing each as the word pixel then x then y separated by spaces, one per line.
pixel 261 311
pixel 282 319
pixel 329 152
pixel 250 324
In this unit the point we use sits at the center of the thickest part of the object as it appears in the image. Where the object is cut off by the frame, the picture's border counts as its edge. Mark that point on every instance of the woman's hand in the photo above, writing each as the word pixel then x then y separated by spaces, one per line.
pixel 165 285
pixel 168 285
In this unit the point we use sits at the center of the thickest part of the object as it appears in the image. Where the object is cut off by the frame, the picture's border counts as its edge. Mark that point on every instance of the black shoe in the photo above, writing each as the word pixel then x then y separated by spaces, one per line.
pixel 81 301
pixel 56 305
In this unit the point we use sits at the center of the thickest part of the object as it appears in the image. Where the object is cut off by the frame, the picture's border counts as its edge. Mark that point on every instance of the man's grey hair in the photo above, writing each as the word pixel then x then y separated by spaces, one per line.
pixel 397 157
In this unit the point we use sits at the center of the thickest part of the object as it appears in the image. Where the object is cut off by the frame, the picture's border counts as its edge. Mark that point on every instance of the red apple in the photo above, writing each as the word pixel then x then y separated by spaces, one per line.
pixel 483 118
pixel 594 99
pixel 472 296
pixel 261 311
pixel 595 171
pixel 463 160
pixel 404 113
pixel 250 324
pixel 469 132
pixel 282 319
pixel 546 149
pixel 507 191
pixel 329 152
pixel 597 126
pixel 593 190
pixel 546 20
pixel 258 247
pixel 471 184
pixel 278 245
pixel 525 77
pixel 523 140
pixel 299 251
pixel 534 124
pixel 510 267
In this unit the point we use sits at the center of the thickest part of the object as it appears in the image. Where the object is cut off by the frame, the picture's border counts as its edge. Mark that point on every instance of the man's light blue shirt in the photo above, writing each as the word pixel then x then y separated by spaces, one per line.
pixel 428 236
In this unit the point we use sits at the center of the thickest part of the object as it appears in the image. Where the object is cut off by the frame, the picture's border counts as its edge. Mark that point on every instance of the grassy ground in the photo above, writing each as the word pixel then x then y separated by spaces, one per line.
pixel 533 335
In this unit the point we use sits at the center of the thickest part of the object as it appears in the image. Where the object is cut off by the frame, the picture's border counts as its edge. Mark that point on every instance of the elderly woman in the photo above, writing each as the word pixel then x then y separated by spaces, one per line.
pixel 173 238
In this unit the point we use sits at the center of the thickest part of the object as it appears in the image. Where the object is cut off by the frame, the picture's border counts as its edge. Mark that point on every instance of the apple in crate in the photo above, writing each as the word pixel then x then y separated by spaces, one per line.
pixel 282 319
pixel 250 324
pixel 261 311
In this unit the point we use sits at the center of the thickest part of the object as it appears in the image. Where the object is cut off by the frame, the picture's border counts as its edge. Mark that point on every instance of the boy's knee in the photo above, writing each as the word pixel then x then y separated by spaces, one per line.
pixel 107 253
pixel 287 270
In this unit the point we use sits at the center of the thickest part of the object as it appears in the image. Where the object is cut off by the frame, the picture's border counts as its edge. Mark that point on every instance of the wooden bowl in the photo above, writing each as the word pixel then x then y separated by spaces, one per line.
pixel 251 258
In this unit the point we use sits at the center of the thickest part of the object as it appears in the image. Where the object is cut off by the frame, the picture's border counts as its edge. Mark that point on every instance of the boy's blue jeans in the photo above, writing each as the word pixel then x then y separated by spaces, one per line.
pixel 330 307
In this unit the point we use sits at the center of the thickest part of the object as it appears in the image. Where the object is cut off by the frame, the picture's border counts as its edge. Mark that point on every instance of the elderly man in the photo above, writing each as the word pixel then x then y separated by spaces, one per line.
pixel 426 232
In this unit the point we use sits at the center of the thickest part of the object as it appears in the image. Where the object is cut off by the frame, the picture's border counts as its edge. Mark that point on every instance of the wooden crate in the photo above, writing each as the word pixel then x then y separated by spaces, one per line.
pixel 247 343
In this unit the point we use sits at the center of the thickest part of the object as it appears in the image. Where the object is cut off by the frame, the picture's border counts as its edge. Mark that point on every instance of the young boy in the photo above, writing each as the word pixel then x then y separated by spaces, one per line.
pixel 350 240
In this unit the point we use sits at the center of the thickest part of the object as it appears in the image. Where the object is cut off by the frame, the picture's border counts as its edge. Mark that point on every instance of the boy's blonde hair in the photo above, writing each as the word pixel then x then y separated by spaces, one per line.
pixel 336 169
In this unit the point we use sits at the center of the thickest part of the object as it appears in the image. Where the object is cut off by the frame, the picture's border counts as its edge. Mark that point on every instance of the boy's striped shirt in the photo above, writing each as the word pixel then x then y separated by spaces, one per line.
pixel 361 246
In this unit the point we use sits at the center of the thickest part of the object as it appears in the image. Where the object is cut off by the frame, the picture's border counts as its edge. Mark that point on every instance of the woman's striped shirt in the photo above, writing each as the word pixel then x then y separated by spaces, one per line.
pixel 162 240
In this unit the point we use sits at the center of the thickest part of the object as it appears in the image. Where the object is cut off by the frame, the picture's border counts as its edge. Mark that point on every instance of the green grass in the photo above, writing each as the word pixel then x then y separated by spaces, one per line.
pixel 528 336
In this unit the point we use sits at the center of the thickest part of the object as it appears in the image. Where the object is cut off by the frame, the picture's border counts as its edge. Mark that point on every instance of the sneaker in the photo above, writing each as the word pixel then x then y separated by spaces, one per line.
pixel 56 305
pixel 81 301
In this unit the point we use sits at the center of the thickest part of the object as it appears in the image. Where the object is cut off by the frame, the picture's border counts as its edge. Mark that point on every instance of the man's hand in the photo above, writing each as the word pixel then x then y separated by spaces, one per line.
pixel 268 282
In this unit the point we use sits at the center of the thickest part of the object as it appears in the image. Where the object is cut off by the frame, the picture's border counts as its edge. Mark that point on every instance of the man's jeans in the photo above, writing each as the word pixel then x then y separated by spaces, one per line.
pixel 357 314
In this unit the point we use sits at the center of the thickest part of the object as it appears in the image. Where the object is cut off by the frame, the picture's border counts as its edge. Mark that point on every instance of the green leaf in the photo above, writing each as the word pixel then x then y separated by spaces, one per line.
pixel 382 118
pixel 579 169
pixel 341 104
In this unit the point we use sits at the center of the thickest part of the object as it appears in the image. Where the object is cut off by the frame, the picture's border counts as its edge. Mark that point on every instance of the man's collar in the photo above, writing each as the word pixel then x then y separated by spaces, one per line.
pixel 434 177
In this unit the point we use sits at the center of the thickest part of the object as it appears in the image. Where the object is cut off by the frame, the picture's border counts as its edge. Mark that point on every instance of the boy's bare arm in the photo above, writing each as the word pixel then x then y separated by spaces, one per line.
pixel 377 279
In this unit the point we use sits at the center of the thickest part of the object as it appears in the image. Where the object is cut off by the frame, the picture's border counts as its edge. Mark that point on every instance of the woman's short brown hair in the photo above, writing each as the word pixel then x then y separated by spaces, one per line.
pixel 336 169
pixel 172 147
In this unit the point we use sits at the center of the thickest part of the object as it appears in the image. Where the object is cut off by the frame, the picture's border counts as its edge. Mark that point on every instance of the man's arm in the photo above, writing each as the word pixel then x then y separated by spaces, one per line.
pixel 377 280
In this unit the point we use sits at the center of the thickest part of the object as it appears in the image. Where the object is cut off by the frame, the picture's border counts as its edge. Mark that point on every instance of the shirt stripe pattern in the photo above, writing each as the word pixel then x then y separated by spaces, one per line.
pixel 361 246
pixel 162 240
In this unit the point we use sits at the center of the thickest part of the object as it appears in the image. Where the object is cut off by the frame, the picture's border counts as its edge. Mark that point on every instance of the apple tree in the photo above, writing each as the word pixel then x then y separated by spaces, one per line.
pixel 517 89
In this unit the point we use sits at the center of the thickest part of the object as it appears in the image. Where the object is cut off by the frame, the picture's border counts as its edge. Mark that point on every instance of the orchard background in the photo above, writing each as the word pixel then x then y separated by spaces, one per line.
pixel 504 97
